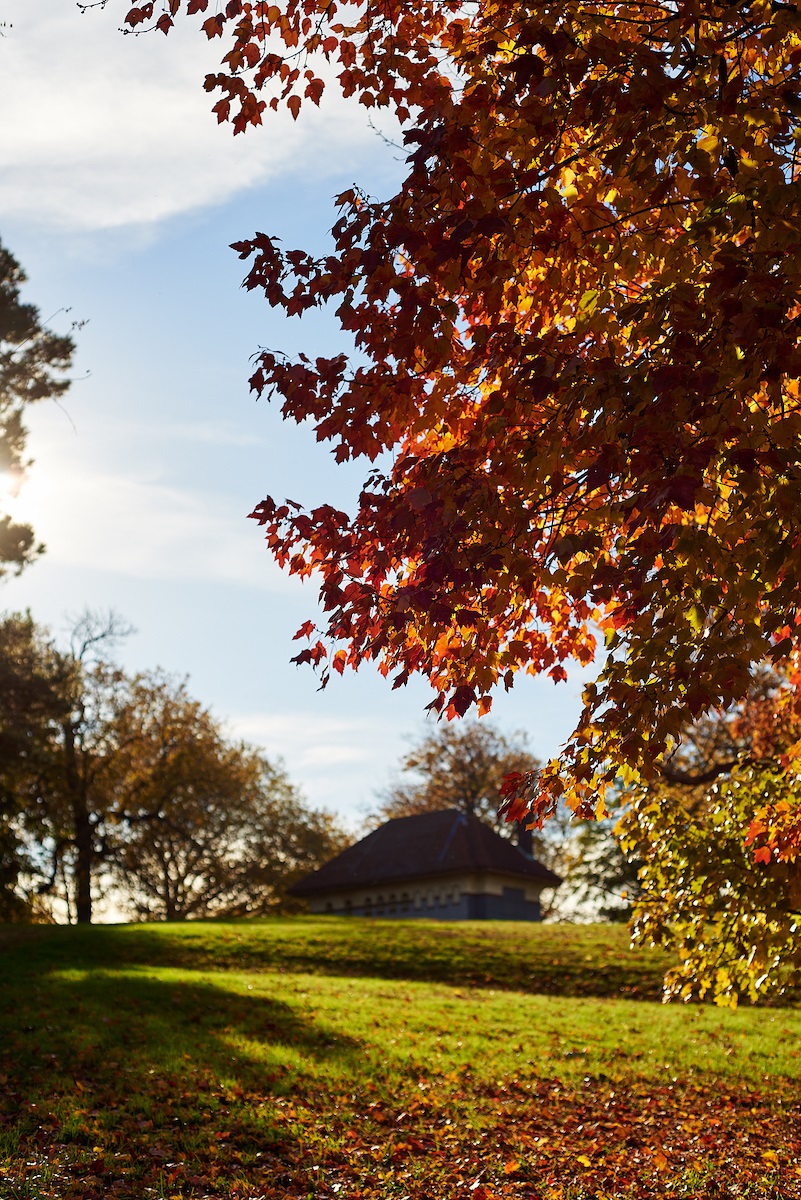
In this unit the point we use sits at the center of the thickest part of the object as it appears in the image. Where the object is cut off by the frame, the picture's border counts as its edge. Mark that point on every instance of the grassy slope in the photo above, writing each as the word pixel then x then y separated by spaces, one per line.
pixel 316 1057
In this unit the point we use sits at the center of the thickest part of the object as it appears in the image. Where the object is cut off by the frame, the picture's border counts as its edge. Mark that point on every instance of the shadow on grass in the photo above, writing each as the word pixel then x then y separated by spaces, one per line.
pixel 550 960
pixel 120 1074
pixel 111 1026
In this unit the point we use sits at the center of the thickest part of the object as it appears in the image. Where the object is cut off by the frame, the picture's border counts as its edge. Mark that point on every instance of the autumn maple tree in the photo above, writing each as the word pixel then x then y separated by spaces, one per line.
pixel 575 335
pixel 718 833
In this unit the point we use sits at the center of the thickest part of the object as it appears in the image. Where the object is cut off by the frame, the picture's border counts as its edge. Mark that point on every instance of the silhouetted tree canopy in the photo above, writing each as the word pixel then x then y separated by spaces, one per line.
pixel 33 361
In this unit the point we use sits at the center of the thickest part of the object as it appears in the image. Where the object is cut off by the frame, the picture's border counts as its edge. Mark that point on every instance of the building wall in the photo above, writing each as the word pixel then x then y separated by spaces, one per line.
pixel 449 898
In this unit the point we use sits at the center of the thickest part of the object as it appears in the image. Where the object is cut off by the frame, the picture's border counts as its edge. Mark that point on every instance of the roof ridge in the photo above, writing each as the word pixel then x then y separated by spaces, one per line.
pixel 422 845
pixel 460 819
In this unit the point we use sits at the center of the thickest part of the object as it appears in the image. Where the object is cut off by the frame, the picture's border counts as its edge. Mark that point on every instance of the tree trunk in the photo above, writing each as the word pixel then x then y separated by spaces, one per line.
pixel 83 866
pixel 81 830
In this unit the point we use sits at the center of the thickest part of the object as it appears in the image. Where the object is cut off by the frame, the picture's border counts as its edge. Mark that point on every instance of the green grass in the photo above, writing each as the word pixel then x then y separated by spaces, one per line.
pixel 557 959
pixel 316 1057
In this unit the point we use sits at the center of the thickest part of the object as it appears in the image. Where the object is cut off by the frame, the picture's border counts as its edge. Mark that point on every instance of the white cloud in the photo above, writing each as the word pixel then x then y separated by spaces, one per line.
pixel 140 526
pixel 102 131
pixel 314 741
pixel 339 761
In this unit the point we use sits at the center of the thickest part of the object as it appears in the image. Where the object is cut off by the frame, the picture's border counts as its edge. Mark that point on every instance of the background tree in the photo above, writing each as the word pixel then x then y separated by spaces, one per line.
pixel 33 361
pixel 457 766
pixel 228 839
pixel 603 877
pixel 32 365
pixel 577 337
pixel 106 777
pixel 69 796
pixel 209 827
pixel 32 703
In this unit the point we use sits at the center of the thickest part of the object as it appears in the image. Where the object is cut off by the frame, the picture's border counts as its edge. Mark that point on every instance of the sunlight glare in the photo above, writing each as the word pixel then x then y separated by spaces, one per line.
pixel 18 496
pixel 10 483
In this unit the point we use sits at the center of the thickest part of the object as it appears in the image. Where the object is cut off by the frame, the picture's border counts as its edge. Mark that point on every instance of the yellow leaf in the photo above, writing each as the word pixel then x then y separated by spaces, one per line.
pixel 585 1162
pixel 696 616
pixel 709 144
pixel 589 301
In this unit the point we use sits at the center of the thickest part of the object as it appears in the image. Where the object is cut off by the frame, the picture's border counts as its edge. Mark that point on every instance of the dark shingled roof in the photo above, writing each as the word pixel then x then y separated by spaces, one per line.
pixel 434 843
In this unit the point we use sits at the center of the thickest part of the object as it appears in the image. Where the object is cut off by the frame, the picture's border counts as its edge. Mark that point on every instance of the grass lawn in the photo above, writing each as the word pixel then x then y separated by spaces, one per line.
pixel 320 1058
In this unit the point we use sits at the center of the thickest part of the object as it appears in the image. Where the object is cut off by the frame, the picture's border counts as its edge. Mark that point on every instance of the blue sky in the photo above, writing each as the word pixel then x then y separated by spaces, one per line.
pixel 120 195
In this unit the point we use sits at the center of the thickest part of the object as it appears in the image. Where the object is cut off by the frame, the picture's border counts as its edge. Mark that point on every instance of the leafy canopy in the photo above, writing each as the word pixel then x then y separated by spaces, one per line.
pixel 217 830
pixel 33 701
pixel 112 779
pixel 718 833
pixel 577 336
pixel 32 365
pixel 459 766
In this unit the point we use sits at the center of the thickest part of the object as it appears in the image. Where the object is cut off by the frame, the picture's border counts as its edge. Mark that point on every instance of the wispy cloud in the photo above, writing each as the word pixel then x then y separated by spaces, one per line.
pixel 314 741
pixel 150 530
pixel 102 131
pixel 340 761
pixel 196 432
